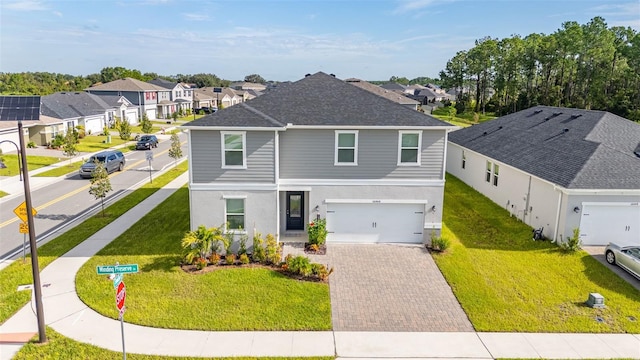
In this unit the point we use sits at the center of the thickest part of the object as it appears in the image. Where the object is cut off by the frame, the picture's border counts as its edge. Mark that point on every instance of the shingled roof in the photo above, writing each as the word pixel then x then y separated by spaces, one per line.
pixel 573 148
pixel 391 95
pixel 66 105
pixel 126 84
pixel 318 100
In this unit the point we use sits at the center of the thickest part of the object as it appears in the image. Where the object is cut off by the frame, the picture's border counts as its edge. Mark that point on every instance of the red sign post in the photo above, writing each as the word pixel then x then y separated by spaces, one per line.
pixel 121 295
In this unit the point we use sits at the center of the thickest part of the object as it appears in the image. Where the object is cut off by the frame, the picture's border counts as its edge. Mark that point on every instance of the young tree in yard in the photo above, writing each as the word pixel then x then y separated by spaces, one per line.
pixel 147 126
pixel 124 129
pixel 452 113
pixel 100 183
pixel 69 147
pixel 174 116
pixel 175 152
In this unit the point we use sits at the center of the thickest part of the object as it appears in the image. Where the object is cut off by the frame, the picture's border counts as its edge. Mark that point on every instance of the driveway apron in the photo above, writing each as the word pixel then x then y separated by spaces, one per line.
pixel 385 287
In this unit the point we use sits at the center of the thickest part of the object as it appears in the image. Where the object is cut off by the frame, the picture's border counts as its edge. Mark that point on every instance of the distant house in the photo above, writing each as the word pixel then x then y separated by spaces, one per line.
pixel 391 95
pixel 180 97
pixel 245 85
pixel 204 97
pixel 319 148
pixel 76 108
pixel 146 96
pixel 13 108
pixel 392 86
pixel 558 169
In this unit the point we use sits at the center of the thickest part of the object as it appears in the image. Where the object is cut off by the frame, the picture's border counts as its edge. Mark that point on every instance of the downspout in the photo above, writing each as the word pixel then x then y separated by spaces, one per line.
pixel 277 181
pixel 555 230
pixel 526 205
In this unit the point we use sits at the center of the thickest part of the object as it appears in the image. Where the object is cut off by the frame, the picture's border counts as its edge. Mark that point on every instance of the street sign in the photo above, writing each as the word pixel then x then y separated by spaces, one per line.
pixel 217 90
pixel 117 269
pixel 24 228
pixel 117 278
pixel 148 155
pixel 21 211
pixel 121 295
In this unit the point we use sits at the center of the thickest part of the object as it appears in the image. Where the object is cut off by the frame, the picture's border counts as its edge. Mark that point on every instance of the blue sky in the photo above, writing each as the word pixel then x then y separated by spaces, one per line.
pixel 280 40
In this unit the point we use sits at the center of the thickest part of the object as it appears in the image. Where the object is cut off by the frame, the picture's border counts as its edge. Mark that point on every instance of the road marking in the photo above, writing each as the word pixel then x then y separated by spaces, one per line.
pixel 69 194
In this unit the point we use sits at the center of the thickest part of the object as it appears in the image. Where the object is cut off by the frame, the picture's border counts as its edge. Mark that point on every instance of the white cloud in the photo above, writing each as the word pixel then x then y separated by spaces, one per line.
pixel 195 17
pixel 57 13
pixel 406 6
pixel 26 5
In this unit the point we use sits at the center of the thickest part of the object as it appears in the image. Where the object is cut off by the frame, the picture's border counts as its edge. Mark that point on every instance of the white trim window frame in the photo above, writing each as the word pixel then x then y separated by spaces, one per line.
pixel 409 147
pixel 496 172
pixel 235 206
pixel 487 176
pixel 346 149
pixel 231 146
pixel 464 159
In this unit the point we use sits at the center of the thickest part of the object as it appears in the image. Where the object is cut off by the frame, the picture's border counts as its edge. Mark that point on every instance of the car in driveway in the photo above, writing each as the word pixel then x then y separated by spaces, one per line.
pixel 146 142
pixel 112 160
pixel 625 256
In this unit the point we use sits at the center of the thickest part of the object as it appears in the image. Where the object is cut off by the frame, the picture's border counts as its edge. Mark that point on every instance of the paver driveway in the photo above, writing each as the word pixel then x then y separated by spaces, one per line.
pixel 384 287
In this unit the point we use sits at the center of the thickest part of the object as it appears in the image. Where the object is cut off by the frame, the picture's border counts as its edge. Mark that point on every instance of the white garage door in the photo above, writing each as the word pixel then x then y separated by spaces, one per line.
pixel 375 223
pixel 601 223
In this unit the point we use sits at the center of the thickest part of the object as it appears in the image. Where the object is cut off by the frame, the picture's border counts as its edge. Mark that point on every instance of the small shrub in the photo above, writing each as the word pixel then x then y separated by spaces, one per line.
pixel 227 242
pixel 242 250
pixel 201 263
pixel 273 252
pixel 230 259
pixel 299 265
pixel 574 243
pixel 258 249
pixel 317 231
pixel 214 258
pixel 313 247
pixel 31 145
pixel 244 258
pixel 438 243
pixel 321 271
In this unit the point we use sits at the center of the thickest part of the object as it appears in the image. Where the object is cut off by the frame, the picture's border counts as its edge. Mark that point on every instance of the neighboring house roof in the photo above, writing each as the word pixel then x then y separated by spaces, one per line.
pixel 393 86
pixel 115 101
pixel 203 94
pixel 318 100
pixel 573 148
pixel 126 84
pixel 245 85
pixel 254 93
pixel 67 105
pixel 163 83
pixel 391 95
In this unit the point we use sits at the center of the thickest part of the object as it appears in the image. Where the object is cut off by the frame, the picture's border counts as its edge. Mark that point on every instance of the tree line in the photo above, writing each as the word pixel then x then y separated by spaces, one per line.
pixel 589 66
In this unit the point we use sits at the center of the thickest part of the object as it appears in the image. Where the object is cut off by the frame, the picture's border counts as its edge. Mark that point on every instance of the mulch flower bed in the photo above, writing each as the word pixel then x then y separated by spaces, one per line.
pixel 193 269
pixel 308 249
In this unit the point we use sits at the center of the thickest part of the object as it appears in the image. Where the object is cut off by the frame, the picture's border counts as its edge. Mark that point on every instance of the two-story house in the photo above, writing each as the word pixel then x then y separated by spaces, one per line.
pixel 146 96
pixel 319 148
pixel 180 97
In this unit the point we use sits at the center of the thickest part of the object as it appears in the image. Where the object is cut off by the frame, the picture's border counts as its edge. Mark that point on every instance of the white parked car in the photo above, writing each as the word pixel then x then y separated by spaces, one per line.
pixel 625 256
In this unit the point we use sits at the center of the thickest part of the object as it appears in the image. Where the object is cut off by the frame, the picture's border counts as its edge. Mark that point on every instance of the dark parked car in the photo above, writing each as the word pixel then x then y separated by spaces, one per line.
pixel 112 160
pixel 147 142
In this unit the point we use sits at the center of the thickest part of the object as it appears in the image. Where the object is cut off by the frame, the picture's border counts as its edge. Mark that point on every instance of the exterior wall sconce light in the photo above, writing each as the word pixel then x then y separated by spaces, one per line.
pixel 576 209
pixel 433 208
pixel 317 208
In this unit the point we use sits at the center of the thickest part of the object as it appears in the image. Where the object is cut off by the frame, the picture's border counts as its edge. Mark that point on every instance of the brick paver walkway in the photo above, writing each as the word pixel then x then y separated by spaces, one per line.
pixel 380 287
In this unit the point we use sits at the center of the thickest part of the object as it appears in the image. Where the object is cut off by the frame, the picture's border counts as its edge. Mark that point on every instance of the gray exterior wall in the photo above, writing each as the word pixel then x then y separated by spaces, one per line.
pixel 309 154
pixel 206 158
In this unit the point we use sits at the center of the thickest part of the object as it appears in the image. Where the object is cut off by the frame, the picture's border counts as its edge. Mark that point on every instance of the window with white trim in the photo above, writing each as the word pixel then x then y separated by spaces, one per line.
pixel 409 148
pixel 487 177
pixel 346 152
pixel 234 213
pixel 464 159
pixel 233 149
pixel 496 171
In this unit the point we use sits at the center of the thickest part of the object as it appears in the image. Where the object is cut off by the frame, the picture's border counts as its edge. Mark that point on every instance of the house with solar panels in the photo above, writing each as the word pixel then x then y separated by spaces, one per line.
pixel 12 110
pixel 557 169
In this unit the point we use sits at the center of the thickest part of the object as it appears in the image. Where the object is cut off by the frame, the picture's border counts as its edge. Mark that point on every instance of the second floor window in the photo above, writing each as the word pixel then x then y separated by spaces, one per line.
pixel 464 159
pixel 409 148
pixel 487 176
pixel 233 150
pixel 346 152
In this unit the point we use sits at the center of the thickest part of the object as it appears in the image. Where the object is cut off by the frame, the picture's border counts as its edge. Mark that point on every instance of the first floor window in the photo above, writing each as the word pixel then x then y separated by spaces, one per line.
pixel 233 154
pixel 409 148
pixel 235 214
pixel 346 148
pixel 488 174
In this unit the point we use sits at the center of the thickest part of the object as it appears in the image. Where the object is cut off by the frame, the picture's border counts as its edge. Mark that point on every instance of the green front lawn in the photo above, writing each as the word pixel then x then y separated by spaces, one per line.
pixel 93 143
pixel 163 295
pixel 465 119
pixel 61 170
pixel 19 273
pixel 507 282
pixel 60 347
pixel 33 162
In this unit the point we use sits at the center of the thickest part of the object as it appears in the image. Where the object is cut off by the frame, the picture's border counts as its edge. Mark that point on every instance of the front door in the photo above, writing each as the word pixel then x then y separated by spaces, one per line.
pixel 295 210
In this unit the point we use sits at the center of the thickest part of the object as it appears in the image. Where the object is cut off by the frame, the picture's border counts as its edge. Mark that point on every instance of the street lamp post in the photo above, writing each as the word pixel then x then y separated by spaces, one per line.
pixel 37 287
pixel 2 165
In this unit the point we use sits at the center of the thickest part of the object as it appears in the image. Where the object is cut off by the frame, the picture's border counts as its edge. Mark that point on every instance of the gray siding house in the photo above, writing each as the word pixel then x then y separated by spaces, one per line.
pixel 319 148
pixel 557 169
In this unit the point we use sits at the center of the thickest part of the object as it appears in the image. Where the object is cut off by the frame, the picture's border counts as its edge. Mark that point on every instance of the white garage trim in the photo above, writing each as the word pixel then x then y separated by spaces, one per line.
pixel 391 221
pixel 373 201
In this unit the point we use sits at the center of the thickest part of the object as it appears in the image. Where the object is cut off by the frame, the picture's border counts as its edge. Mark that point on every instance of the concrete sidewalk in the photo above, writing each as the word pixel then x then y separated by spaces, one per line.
pixel 66 314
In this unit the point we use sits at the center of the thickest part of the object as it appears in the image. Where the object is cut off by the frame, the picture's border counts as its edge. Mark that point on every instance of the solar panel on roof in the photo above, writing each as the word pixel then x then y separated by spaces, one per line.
pixel 14 108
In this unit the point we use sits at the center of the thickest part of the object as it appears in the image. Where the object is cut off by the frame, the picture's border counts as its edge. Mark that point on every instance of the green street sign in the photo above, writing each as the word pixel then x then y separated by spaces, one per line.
pixel 117 269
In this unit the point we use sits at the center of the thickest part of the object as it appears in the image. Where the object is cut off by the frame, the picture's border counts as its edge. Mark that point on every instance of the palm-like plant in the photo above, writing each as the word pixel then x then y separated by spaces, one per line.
pixel 200 242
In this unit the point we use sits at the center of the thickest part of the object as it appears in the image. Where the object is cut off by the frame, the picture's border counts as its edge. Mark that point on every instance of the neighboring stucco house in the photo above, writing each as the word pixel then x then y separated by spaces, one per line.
pixel 146 96
pixel 78 108
pixel 557 169
pixel 391 95
pixel 204 97
pixel 373 168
